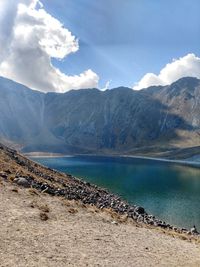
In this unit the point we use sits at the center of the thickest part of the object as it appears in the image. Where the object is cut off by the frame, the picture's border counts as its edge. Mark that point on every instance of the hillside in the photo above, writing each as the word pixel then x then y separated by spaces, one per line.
pixel 120 121
pixel 49 218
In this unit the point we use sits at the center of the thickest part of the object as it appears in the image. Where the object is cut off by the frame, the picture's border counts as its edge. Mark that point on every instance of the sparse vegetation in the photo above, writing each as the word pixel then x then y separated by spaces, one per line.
pixel 33 191
pixel 72 210
pixel 15 190
pixel 44 216
pixel 44 208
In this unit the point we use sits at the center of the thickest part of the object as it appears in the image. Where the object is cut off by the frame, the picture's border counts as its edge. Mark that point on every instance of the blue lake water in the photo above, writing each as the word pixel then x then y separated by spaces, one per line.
pixel 169 191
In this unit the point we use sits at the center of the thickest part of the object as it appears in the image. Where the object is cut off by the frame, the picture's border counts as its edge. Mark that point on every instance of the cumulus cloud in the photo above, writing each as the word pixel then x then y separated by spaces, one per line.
pixel 188 65
pixel 29 39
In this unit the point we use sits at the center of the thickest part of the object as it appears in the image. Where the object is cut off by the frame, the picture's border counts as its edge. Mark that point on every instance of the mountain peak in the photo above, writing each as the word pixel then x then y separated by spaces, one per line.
pixel 187 82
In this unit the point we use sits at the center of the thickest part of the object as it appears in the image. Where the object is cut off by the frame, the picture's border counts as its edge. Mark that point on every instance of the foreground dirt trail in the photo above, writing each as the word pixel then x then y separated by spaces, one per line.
pixel 74 235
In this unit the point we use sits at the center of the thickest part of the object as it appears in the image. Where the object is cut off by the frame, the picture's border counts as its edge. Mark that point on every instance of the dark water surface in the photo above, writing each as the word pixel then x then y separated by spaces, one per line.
pixel 169 191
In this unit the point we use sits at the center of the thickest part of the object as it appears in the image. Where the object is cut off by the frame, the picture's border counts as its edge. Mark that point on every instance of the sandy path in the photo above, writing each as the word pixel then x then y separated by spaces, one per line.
pixel 83 238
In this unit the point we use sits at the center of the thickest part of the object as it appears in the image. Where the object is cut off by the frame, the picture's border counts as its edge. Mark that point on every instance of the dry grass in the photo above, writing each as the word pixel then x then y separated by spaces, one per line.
pixel 44 208
pixel 11 177
pixel 15 189
pixel 33 191
pixel 72 210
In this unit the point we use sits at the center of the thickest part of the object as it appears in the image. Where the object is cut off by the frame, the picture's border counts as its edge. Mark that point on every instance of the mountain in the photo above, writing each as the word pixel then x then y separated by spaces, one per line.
pixel 150 121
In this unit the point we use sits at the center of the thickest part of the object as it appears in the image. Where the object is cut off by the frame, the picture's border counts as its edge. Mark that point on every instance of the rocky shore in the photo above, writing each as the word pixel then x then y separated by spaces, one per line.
pixel 32 175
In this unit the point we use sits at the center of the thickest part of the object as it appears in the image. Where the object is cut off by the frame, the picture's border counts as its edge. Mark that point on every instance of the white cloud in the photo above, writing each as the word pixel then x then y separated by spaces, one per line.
pixel 29 38
pixel 107 85
pixel 188 65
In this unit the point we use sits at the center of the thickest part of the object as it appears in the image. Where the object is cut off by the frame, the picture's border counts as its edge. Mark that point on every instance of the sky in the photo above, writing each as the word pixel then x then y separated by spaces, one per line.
pixel 58 45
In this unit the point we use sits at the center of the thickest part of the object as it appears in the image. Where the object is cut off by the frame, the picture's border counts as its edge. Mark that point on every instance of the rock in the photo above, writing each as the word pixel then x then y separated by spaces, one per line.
pixel 22 181
pixel 193 230
pixel 162 225
pixel 3 175
pixel 184 230
pixel 140 218
pixel 139 210
pixel 114 222
pixel 151 222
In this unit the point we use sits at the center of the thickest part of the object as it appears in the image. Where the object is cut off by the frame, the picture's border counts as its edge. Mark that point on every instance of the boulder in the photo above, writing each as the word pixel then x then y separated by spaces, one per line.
pixel 139 210
pixel 22 181
pixel 193 230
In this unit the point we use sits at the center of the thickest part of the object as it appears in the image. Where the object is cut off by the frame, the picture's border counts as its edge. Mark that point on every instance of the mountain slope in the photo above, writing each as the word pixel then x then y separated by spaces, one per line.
pixel 91 121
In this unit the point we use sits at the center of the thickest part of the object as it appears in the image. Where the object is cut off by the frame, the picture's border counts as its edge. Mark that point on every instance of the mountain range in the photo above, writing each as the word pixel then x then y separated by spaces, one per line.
pixel 159 120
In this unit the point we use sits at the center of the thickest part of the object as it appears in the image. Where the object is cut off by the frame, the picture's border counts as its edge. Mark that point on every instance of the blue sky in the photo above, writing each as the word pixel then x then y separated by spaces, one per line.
pixel 59 45
pixel 121 40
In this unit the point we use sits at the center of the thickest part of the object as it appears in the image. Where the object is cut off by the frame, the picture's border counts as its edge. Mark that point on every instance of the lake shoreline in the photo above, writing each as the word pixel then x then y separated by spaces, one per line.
pixel 182 162
pixel 191 162
pixel 55 183
pixel 45 179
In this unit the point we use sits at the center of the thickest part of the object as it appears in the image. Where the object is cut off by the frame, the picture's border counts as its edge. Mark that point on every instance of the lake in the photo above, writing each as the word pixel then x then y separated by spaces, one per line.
pixel 169 191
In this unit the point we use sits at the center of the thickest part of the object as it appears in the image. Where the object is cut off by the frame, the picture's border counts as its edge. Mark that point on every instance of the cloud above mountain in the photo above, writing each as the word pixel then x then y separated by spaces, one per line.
pixel 29 39
pixel 188 65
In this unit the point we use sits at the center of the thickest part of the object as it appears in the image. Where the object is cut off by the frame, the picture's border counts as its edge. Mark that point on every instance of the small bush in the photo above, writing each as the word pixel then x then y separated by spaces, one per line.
pixel 43 216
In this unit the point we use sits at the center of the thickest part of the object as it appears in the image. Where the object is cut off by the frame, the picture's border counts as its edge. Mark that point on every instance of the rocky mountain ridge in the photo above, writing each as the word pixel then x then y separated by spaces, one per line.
pixel 118 121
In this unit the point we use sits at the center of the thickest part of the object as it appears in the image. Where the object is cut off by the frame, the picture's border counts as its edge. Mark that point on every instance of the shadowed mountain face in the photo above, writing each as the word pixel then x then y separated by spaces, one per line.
pixel 89 121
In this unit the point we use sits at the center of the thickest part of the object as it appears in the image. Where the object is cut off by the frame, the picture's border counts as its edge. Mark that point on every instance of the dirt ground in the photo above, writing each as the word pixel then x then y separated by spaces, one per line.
pixel 40 230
